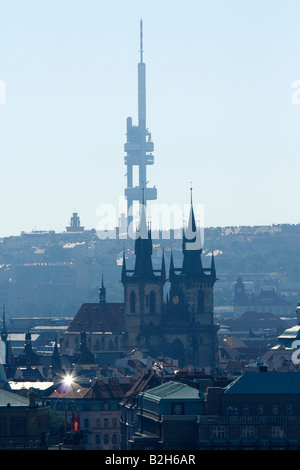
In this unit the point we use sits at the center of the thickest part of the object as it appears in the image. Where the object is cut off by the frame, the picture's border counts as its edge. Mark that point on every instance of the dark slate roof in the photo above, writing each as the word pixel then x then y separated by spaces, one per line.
pixel 261 383
pixel 113 390
pixel 96 317
pixel 145 382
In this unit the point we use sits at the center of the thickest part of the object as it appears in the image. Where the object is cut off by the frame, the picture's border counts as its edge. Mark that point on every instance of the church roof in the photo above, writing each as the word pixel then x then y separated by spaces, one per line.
pixel 96 317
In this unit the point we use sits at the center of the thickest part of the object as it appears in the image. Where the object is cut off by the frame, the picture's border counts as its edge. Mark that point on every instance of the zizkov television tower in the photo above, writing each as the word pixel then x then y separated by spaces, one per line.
pixel 139 146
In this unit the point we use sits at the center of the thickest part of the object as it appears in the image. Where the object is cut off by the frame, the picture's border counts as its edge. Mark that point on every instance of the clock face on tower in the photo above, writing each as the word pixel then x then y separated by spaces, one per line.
pixel 175 299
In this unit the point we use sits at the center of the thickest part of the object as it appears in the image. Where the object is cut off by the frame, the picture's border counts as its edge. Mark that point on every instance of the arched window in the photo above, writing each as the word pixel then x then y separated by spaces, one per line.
pixel 201 303
pixel 152 302
pixel 177 351
pixel 132 301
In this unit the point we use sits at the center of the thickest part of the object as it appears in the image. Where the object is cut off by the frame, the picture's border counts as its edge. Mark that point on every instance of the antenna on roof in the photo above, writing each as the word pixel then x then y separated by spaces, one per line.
pixel 141 40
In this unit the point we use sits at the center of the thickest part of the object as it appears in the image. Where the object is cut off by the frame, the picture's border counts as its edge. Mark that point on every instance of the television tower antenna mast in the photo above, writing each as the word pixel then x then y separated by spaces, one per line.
pixel 139 146
pixel 141 41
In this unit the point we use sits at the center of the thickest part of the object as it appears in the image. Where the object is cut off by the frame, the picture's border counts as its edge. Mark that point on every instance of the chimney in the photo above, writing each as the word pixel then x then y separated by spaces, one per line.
pixel 32 398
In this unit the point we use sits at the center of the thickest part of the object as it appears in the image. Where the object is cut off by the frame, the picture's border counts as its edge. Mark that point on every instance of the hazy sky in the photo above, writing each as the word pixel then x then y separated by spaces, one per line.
pixel 219 107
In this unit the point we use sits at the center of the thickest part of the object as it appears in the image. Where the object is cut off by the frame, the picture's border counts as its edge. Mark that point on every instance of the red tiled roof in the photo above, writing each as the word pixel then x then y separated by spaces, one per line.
pixel 96 317
pixel 113 390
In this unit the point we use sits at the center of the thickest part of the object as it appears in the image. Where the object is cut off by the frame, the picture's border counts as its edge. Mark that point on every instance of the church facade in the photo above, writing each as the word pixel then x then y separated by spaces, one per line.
pixel 181 328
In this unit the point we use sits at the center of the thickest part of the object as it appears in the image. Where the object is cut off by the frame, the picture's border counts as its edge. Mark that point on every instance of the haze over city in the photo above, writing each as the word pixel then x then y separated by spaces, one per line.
pixel 150 230
pixel 219 107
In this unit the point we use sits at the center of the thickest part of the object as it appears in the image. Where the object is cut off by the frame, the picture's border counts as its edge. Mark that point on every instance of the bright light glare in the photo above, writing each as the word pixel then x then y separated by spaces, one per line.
pixel 68 380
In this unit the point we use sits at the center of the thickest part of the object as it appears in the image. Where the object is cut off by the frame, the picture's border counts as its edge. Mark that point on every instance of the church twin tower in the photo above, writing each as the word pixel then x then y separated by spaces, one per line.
pixel 182 327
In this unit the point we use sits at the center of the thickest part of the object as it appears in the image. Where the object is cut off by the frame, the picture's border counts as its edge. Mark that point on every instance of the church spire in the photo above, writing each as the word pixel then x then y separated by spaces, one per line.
pixel 124 270
pixel 191 247
pixel 163 267
pixel 192 223
pixel 4 333
pixel 171 269
pixel 143 245
pixel 102 293
pixel 213 267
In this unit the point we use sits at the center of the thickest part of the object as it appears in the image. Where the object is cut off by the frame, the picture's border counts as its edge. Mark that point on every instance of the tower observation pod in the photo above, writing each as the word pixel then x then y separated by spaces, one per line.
pixel 139 147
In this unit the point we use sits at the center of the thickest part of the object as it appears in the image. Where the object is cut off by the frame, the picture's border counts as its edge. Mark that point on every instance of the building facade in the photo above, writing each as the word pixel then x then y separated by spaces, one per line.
pixel 258 411
pixel 95 410
pixel 23 423
pixel 168 416
pixel 266 301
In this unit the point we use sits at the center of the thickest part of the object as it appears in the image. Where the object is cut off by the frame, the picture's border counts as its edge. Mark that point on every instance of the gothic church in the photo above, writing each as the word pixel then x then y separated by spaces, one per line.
pixel 181 328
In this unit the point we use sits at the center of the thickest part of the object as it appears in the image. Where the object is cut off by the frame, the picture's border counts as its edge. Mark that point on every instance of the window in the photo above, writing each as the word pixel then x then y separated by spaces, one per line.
pixel 106 438
pixel 277 432
pixel 248 432
pixel 106 422
pixel 152 302
pixel 114 422
pixel 98 438
pixel 114 439
pixel 218 432
pixel 177 409
pixel 275 409
pixel 260 410
pixel 98 423
pixel 246 410
pixel 86 422
pixel 231 410
pixel 132 301
pixel 201 302
pixel 289 410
